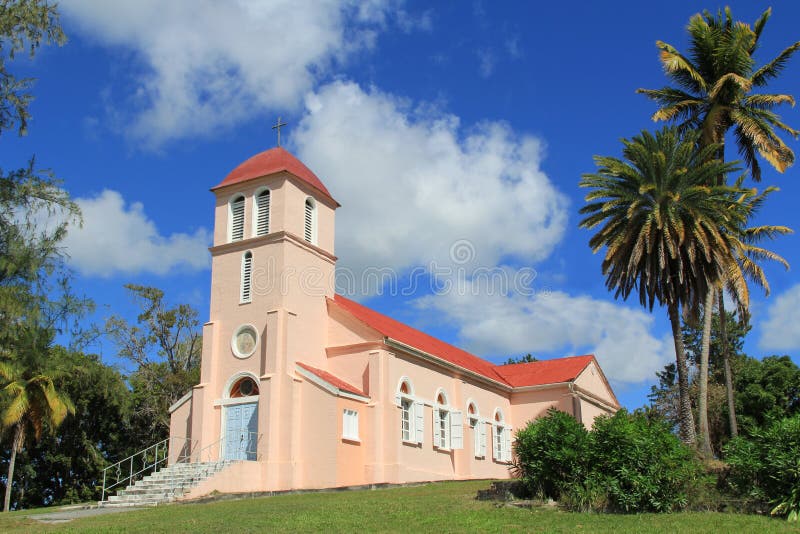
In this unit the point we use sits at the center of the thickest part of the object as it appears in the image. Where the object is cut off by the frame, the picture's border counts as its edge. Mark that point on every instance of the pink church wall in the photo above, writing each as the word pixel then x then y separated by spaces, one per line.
pixel 180 432
pixel 351 455
pixel 529 405
pixel 589 412
pixel 236 478
pixel 344 330
pixel 319 438
pixel 425 462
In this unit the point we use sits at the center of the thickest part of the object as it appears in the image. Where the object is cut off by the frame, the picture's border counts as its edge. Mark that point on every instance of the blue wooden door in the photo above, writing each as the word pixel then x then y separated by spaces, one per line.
pixel 241 431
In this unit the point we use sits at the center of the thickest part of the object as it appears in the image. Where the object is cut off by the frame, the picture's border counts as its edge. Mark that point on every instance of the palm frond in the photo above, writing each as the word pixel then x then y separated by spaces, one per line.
pixel 774 67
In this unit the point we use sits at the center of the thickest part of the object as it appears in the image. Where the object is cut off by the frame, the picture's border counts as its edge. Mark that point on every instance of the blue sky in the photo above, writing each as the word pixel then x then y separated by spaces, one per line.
pixel 435 125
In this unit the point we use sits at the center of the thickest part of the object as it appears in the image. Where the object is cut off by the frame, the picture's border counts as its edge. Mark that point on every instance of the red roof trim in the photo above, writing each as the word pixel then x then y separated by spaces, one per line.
pixel 273 161
pixel 515 375
pixel 333 380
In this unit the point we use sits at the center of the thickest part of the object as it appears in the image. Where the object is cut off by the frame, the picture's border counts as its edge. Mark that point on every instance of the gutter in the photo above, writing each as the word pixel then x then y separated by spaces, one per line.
pixel 435 359
pixel 581 393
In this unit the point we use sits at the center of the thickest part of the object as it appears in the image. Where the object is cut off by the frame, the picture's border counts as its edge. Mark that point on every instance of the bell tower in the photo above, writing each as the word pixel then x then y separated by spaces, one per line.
pixel 272 270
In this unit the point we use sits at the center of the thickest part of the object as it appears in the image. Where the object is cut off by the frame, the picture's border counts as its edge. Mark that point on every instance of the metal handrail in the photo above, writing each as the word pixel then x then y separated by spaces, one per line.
pixel 147 459
pixel 150 458
pixel 208 449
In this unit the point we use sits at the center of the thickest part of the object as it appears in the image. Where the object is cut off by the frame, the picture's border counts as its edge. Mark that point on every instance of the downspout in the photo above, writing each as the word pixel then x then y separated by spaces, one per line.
pixel 576 403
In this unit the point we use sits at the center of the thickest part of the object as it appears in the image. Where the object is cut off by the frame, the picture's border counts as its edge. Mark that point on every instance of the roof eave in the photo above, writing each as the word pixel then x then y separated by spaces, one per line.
pixel 332 389
pixel 441 361
pixel 324 194
pixel 551 385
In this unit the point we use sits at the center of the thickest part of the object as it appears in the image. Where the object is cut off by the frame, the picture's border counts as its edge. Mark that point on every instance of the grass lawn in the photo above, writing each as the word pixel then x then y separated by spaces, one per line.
pixel 439 507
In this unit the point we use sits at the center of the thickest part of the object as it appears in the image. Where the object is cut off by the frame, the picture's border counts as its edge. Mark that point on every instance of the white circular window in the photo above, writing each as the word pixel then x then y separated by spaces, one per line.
pixel 244 341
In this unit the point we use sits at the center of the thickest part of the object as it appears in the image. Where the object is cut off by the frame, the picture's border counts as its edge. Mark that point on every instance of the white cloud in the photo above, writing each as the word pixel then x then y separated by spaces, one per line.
pixel 211 64
pixel 116 238
pixel 489 322
pixel 413 182
pixel 780 330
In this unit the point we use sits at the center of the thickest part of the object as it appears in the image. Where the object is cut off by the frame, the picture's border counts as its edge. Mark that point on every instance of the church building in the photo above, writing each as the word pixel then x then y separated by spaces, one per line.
pixel 310 389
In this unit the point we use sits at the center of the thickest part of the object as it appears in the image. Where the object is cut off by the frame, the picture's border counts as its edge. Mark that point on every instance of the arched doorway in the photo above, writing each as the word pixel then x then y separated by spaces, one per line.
pixel 240 421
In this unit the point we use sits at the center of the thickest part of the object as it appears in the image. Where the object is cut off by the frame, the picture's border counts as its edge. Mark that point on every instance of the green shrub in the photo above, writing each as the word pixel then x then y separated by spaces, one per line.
pixel 642 465
pixel 627 463
pixel 551 454
pixel 765 467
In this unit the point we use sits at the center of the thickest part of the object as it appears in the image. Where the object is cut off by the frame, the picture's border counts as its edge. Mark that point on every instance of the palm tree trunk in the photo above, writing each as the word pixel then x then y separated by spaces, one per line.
pixel 16 444
pixel 686 421
pixel 702 401
pixel 723 332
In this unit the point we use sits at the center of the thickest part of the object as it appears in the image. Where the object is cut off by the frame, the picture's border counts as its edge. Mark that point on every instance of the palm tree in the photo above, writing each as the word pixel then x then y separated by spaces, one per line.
pixel 749 256
pixel 30 399
pixel 713 95
pixel 667 228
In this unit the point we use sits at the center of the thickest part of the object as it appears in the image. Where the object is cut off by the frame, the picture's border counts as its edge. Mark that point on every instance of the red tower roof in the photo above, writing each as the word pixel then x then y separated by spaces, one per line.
pixel 269 162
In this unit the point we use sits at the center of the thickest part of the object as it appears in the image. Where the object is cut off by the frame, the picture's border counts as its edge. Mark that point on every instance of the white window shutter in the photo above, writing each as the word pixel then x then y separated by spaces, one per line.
pixel 397 400
pixel 419 414
pixel 495 450
pixel 437 421
pixel 507 444
pixel 262 224
pixel 247 271
pixel 476 438
pixel 308 229
pixel 456 430
pixel 237 219
pixel 482 439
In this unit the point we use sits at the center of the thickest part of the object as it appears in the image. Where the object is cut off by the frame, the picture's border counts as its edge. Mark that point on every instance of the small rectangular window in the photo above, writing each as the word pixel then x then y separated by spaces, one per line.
pixel 350 425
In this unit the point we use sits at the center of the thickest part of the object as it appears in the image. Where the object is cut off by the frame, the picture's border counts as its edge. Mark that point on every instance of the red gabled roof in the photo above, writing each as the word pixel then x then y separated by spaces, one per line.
pixel 269 162
pixel 544 371
pixel 418 340
pixel 332 380
pixel 515 375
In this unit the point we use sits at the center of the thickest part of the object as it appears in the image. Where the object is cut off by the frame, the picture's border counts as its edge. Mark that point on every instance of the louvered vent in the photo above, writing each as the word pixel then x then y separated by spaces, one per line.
pixel 262 223
pixel 247 270
pixel 237 219
pixel 309 227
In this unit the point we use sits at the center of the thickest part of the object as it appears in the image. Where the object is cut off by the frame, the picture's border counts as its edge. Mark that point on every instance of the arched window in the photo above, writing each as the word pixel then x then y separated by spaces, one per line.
pixel 261 217
pixel 410 412
pixel 247 275
pixel 236 218
pixel 310 222
pixel 441 421
pixel 501 444
pixel 448 426
pixel 244 387
pixel 478 429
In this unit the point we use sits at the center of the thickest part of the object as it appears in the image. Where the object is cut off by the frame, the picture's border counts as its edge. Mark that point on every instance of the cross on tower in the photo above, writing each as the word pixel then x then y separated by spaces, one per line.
pixel 278 126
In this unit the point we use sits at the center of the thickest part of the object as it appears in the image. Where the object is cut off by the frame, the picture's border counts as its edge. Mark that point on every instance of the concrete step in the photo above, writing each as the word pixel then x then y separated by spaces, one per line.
pixel 165 485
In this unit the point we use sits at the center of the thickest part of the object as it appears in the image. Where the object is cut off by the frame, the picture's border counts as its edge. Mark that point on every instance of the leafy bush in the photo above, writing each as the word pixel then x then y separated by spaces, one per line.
pixel 642 465
pixel 627 463
pixel 552 454
pixel 765 467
